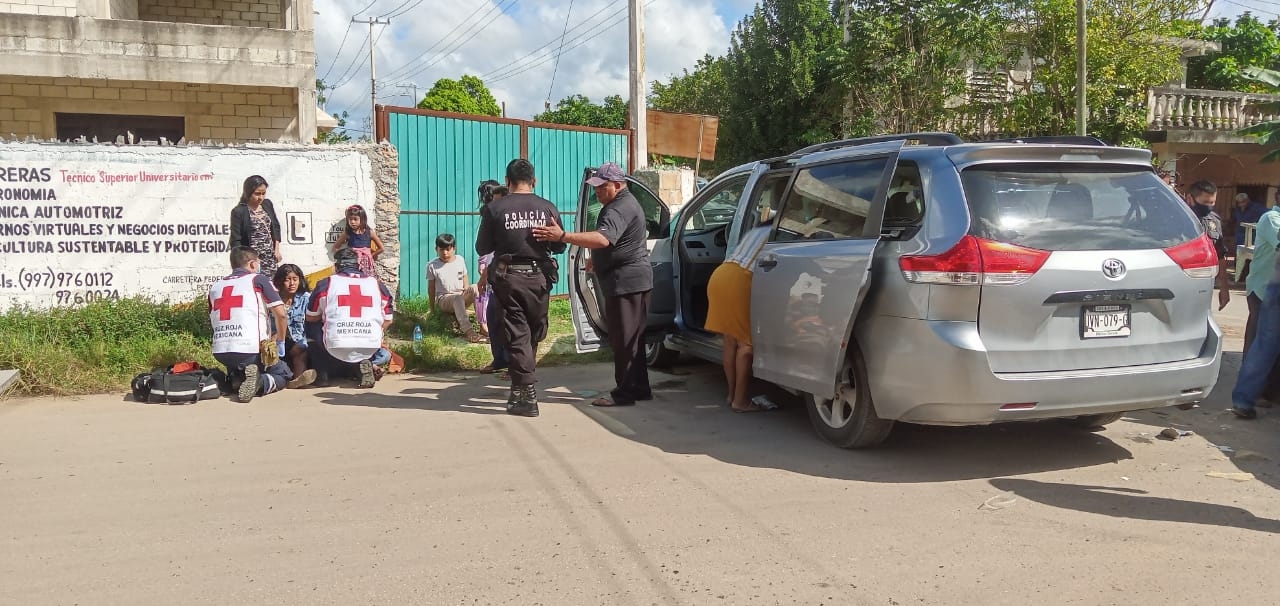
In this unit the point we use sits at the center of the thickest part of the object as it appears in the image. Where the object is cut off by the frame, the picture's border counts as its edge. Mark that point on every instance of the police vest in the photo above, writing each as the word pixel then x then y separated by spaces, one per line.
pixel 236 313
pixel 353 318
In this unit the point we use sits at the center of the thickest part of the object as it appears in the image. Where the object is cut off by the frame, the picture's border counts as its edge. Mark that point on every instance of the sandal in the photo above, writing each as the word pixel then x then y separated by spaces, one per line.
pixel 488 369
pixel 607 402
pixel 474 338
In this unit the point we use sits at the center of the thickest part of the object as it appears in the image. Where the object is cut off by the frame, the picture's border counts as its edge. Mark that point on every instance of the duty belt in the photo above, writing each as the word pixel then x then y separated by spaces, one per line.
pixel 523 267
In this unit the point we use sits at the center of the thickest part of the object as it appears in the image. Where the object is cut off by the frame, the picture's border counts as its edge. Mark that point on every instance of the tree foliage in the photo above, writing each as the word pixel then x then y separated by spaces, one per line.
pixel 337 135
pixel 1266 133
pixel 580 111
pixel 467 95
pixel 1247 43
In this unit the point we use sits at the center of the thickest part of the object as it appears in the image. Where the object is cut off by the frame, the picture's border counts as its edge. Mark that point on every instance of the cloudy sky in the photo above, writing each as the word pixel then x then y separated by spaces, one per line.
pixel 513 44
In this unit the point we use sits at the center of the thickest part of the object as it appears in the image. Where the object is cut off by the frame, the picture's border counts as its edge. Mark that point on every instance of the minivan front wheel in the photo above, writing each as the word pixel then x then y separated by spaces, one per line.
pixel 849 419
pixel 658 355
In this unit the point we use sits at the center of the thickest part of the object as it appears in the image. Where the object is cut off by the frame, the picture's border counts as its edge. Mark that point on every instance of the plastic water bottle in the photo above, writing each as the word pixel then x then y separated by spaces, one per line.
pixel 417 339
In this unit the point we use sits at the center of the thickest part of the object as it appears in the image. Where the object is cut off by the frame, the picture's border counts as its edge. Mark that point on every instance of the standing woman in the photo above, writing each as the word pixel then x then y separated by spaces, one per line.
pixel 488 311
pixel 254 224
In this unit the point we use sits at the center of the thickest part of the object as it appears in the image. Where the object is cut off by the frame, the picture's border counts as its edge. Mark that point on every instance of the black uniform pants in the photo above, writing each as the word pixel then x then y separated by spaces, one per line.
pixel 524 296
pixel 625 319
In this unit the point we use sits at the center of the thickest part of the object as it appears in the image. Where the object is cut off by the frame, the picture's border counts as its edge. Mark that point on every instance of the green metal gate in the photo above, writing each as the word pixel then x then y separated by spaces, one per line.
pixel 445 156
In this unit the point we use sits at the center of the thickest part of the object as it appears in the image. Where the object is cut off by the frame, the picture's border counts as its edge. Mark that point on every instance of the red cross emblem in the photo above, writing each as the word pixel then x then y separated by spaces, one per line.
pixel 227 302
pixel 355 301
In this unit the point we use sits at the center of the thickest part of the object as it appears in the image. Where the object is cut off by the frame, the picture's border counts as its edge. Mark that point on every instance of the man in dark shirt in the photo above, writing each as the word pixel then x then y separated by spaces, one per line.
pixel 1204 195
pixel 620 260
pixel 521 274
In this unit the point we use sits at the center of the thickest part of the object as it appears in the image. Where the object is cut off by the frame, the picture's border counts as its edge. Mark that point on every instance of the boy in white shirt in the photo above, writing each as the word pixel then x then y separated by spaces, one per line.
pixel 448 286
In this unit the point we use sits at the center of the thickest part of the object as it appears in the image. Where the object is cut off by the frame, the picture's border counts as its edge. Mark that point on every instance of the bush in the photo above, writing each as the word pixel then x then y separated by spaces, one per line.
pixel 100 346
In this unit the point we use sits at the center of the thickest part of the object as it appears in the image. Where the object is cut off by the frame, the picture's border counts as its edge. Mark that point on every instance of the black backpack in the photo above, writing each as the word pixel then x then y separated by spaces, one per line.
pixel 182 383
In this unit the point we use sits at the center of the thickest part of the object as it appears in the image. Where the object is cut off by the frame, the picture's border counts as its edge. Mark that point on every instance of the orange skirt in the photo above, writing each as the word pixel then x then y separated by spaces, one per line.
pixel 729 302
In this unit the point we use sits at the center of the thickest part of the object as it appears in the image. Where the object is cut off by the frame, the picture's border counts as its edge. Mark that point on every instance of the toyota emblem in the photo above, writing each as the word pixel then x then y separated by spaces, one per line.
pixel 1113 269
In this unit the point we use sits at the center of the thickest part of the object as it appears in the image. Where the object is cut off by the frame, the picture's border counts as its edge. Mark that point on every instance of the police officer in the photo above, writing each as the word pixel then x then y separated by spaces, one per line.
pixel 521 274
pixel 620 259
pixel 1204 195
pixel 347 314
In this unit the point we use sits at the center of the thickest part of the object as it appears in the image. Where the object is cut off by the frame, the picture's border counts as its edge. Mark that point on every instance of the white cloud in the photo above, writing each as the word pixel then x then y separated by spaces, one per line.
pixel 678 33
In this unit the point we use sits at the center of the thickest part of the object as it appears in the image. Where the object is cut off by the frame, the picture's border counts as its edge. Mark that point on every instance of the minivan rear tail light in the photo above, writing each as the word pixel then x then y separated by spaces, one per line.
pixel 1197 258
pixel 975 261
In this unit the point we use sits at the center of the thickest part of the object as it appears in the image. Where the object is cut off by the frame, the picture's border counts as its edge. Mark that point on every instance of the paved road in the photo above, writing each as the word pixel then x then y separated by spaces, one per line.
pixel 422 492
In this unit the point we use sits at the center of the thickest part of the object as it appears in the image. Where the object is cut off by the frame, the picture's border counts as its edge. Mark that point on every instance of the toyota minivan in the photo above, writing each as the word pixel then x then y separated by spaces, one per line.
pixel 920 279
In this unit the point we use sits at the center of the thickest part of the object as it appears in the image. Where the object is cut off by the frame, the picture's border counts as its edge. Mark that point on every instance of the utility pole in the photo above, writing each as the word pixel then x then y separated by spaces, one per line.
pixel 413 86
pixel 1082 55
pixel 373 68
pixel 638 114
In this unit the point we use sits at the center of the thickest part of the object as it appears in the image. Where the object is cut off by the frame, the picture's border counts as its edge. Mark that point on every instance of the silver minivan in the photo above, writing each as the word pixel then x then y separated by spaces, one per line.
pixel 917 278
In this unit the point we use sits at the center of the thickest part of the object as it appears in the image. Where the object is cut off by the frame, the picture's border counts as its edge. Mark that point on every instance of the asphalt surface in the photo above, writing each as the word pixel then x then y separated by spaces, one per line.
pixel 423 492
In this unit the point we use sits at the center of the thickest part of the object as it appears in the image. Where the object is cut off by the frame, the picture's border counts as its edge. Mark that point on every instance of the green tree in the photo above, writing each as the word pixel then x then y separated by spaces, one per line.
pixel 701 91
pixel 904 64
pixel 1267 133
pixel 467 95
pixel 337 135
pixel 1247 43
pixel 580 111
pixel 1130 49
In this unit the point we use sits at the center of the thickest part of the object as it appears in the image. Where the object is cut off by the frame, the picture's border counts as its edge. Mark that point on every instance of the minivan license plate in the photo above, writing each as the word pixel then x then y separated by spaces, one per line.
pixel 1104 321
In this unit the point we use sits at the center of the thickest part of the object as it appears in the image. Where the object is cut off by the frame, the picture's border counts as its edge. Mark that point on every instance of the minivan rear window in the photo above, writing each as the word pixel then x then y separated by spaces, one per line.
pixel 1076 208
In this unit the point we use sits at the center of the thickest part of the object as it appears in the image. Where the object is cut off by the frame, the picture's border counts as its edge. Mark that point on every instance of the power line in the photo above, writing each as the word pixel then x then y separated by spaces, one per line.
pixel 344 78
pixel 338 54
pixel 555 69
pixel 395 73
pixel 579 41
pixel 535 51
pixel 364 9
pixel 445 53
pixel 1253 8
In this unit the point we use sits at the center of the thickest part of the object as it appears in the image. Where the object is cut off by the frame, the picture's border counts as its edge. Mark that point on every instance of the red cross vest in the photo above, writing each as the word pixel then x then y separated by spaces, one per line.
pixel 353 318
pixel 236 313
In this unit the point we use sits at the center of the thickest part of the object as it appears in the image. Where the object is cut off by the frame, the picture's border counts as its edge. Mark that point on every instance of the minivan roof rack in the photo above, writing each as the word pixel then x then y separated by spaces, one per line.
pixel 931 138
pixel 1054 140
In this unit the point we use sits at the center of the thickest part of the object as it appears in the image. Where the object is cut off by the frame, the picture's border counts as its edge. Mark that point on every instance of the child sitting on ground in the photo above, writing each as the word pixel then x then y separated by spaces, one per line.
pixel 448 286
pixel 361 238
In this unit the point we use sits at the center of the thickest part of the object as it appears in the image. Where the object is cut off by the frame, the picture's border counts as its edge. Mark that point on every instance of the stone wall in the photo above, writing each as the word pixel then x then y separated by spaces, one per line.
pixel 52 8
pixel 210 12
pixel 219 113
pixel 675 186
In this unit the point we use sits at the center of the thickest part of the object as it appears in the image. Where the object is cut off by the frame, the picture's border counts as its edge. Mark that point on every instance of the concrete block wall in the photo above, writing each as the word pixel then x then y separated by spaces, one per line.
pixel 214 112
pixel 124 9
pixel 247 13
pixel 49 8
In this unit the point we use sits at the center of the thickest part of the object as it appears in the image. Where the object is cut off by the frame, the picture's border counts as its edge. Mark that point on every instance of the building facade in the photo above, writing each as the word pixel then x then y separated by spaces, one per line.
pixel 224 71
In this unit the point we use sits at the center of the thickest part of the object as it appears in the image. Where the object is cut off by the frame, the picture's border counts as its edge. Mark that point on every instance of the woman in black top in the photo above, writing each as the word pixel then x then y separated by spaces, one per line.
pixel 254 224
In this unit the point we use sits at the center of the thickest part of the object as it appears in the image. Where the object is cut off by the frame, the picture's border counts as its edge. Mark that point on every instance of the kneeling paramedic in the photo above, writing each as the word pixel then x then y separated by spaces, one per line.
pixel 352 310
pixel 239 305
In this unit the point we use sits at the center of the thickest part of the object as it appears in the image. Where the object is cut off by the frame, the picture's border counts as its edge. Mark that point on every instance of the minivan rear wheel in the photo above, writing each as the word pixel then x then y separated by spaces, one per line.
pixel 1095 421
pixel 849 419
pixel 658 355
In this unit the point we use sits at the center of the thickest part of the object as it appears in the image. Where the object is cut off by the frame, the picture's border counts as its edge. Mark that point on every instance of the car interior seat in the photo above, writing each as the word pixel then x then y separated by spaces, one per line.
pixel 1070 202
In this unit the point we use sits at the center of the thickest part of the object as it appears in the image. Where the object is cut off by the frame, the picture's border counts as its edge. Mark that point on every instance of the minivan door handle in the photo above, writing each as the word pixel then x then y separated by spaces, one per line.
pixel 767 263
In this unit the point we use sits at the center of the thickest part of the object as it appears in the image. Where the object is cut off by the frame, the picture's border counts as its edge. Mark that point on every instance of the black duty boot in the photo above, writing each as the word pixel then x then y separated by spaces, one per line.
pixel 526 402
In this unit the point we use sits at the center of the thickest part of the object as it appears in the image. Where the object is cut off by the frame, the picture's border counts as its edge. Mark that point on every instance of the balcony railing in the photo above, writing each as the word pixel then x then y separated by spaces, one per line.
pixel 1173 108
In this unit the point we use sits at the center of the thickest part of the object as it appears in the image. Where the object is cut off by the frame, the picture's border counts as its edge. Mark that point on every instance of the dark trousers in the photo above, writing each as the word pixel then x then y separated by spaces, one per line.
pixel 497 334
pixel 624 317
pixel 1272 389
pixel 236 363
pixel 524 297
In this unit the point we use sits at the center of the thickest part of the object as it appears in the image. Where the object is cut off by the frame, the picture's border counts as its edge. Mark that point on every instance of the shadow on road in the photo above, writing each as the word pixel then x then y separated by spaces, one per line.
pixel 1130 503
pixel 1252 446
pixel 688 416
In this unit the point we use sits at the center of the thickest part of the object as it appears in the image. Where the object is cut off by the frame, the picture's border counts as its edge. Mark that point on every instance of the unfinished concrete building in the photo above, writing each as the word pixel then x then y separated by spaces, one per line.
pixel 204 70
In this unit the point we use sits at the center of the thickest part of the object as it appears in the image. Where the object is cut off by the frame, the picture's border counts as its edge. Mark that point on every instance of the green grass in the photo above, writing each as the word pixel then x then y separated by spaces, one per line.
pixel 99 347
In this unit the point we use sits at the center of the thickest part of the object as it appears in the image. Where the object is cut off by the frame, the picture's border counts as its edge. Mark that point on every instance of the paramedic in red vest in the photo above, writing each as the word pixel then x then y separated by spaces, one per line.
pixel 353 309
pixel 241 308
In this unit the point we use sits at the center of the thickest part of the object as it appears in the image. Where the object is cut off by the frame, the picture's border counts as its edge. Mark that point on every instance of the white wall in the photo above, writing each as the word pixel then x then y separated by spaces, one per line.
pixel 68 215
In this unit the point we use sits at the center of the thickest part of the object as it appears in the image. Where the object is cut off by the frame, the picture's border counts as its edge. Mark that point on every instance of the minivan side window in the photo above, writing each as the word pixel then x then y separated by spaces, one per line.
pixel 830 201
pixel 719 209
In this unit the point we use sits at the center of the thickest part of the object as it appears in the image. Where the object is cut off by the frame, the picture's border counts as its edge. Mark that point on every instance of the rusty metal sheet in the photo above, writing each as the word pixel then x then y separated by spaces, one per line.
pixel 672 134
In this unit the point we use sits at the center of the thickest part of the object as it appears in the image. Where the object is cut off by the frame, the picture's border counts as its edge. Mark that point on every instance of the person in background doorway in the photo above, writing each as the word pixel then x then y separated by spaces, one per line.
pixel 1245 211
pixel 254 224
pixel 1203 196
pixel 243 308
pixel 361 238
pixel 488 311
pixel 295 293
pixel 449 288
pixel 620 260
